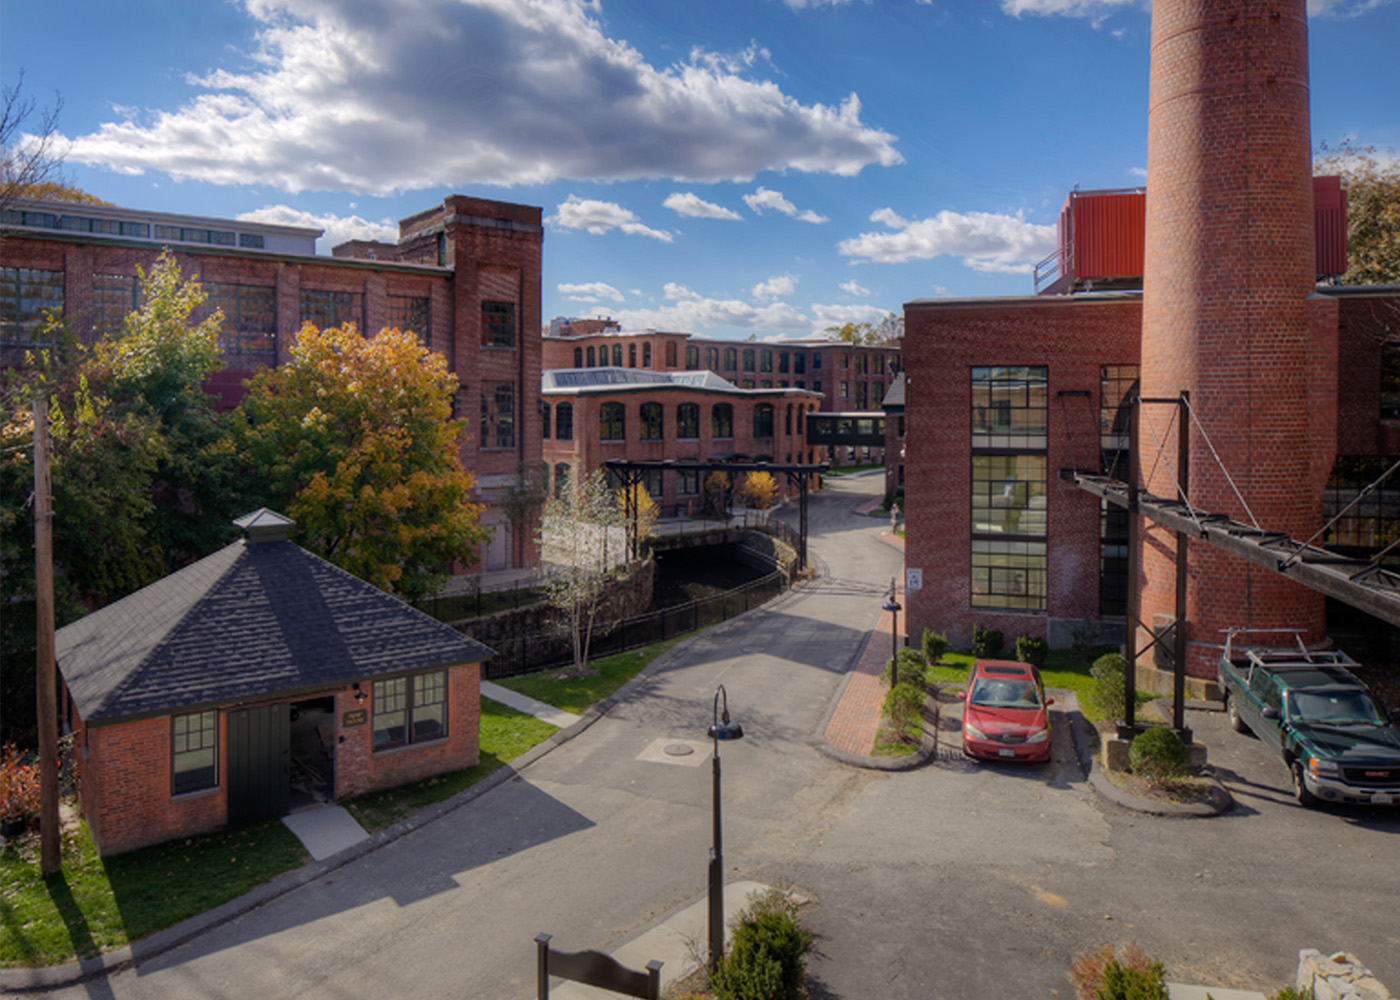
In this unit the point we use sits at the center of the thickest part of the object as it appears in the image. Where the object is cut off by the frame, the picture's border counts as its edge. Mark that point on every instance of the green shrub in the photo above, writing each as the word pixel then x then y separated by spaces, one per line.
pixel 766 957
pixel 935 645
pixel 910 666
pixel 1293 993
pixel 904 704
pixel 986 642
pixel 1158 755
pixel 1032 650
pixel 1101 974
pixel 1105 696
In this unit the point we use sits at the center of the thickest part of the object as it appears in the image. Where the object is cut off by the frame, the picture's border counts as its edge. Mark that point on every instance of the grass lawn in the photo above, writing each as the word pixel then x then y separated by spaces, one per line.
pixel 576 694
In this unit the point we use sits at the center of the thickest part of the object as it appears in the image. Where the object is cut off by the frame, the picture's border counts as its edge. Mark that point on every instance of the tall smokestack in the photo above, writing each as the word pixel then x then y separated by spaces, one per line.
pixel 1227 316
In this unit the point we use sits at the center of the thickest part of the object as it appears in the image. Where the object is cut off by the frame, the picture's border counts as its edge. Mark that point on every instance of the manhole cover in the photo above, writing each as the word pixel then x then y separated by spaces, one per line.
pixel 679 749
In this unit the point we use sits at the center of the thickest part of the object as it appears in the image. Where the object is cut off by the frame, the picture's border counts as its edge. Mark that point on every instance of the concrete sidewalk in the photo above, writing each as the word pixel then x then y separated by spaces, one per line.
pixel 529 706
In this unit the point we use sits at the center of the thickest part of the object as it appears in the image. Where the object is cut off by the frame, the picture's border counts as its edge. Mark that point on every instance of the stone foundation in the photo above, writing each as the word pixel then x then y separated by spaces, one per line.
pixel 1339 976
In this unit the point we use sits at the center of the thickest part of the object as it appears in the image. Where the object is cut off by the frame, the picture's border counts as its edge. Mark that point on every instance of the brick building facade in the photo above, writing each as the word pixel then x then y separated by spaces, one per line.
pixel 464 275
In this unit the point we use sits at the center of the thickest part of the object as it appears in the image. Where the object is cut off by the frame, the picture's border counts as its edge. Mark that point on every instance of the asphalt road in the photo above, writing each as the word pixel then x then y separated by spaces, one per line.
pixel 955 880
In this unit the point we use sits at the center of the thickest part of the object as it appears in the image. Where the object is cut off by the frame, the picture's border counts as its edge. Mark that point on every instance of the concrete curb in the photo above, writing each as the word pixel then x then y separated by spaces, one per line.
pixel 927 748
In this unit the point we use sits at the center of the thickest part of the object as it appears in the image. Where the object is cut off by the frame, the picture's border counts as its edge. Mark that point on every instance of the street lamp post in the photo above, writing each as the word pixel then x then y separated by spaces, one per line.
pixel 893 607
pixel 722 729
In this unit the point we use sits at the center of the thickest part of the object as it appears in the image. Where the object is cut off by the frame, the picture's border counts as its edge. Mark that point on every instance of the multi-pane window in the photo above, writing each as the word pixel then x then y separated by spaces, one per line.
pixel 498 414
pixel 561 480
pixel 692 356
pixel 877 394
pixel 194 751
pixel 1118 384
pixel 1008 417
pixel 845 360
pixel 688 421
pixel 497 324
pixel 617 355
pixel 410 312
pixel 784 360
pixel 763 420
pixel 564 422
pixel 410 709
pixel 860 396
pixel 25 293
pixel 1371 521
pixel 817 361
pixel 323 308
pixel 799 363
pixel 646 354
pixel 649 421
pixel 712 358
pixel 787 421
pixel 748 359
pixel 860 363
pixel 612 424
pixel 631 355
pixel 113 299
pixel 578 356
pixel 731 359
pixel 592 361
pixel 688 483
pixel 722 420
pixel 878 364
pixel 250 318
pixel 652 483
pixel 546 422
pixel 765 360
pixel 843 390
pixel 817 386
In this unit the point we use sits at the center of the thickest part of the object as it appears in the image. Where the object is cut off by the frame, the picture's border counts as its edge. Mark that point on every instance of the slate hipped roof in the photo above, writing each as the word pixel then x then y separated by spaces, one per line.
pixel 256 618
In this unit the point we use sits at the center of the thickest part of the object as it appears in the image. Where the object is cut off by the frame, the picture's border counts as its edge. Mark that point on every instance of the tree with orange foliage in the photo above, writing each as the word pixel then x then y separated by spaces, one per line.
pixel 355 441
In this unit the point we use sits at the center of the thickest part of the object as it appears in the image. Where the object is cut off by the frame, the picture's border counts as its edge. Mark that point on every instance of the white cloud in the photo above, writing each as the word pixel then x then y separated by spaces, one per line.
pixel 598 217
pixel 337 228
pixel 854 288
pixel 385 96
pixel 985 241
pixel 1098 10
pixel 686 309
pixel 840 315
pixel 804 4
pixel 775 287
pixel 692 204
pixel 592 291
pixel 1344 8
pixel 765 199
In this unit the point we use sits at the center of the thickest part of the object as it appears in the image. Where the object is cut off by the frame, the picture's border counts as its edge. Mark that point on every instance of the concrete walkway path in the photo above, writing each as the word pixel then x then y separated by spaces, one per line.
pixel 529 706
pixel 325 830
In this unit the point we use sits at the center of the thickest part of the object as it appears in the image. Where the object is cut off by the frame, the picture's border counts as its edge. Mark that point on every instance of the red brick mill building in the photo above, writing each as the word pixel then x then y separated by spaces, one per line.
pixel 463 275
pixel 1207 284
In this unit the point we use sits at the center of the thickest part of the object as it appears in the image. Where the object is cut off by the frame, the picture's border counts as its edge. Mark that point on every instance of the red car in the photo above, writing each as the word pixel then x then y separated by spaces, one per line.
pixel 1005 716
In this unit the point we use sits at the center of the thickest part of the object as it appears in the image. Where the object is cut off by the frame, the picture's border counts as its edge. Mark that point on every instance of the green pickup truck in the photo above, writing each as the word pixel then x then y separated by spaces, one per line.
pixel 1335 738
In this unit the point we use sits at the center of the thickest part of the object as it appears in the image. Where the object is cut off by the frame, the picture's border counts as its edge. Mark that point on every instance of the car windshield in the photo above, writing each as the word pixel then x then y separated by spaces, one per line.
pixel 1001 693
pixel 1333 708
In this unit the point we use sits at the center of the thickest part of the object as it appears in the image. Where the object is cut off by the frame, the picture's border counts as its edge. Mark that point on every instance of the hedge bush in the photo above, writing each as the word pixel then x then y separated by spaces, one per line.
pixel 1102 974
pixel 986 642
pixel 904 704
pixel 910 667
pixel 1031 649
pixel 766 957
pixel 1158 755
pixel 935 644
pixel 1105 696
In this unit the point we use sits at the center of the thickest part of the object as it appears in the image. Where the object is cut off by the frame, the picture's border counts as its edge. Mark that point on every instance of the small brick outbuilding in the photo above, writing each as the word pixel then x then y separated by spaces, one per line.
pixel 255 681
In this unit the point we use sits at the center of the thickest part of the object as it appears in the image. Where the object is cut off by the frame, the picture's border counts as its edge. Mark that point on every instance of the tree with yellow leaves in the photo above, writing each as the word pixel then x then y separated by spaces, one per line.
pixel 760 491
pixel 355 440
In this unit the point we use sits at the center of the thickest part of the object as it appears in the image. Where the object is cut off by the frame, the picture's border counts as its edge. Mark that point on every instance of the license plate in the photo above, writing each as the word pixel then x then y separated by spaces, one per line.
pixel 1012 753
pixel 1382 799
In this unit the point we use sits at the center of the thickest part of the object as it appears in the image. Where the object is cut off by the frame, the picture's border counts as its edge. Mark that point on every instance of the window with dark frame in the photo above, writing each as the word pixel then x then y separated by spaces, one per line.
pixel 712 358
pixel 561 480
pixel 722 420
pixel 649 422
pixel 646 354
pixel 411 312
pixel 748 359
pixel 564 422
pixel 631 355
pixel 765 360
pixel 250 318
pixel 25 294
pixel 194 752
pixel 1118 384
pixel 731 359
pixel 688 421
pixel 617 355
pixel 410 709
pixel 498 414
pixel 1390 380
pixel 324 308
pixel 545 419
pixel 612 422
pixel 497 324
pixel 113 299
pixel 592 362
pixel 688 482
pixel 578 357
pixel 763 420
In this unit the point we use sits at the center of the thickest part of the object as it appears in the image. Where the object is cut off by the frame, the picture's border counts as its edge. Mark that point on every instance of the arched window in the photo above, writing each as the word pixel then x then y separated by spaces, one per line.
pixel 650 420
pixel 671 354
pixel 592 361
pixel 544 412
pixel 787 422
pixel 564 422
pixel 561 480
pixel 731 359
pixel 802 420
pixel 646 354
pixel 712 358
pixel 631 355
pixel 612 421
pixel 688 421
pixel 748 359
pixel 763 420
pixel 617 355
pixel 578 357
pixel 722 420
pixel 765 360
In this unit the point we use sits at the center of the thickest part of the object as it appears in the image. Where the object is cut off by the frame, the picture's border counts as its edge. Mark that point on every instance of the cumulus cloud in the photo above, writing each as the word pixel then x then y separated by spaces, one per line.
pixel 766 199
pixel 337 228
pixel 386 96
pixel 985 241
pixel 1098 10
pixel 598 217
pixel 854 288
pixel 1344 8
pixel 692 204
pixel 591 291
pixel 686 309
pixel 775 287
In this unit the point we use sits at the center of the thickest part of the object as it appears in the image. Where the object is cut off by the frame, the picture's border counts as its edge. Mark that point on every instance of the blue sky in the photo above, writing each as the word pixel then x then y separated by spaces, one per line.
pixel 763 167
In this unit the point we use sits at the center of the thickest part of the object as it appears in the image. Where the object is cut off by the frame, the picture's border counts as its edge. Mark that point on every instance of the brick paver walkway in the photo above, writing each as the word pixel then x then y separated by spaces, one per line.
pixel 856 721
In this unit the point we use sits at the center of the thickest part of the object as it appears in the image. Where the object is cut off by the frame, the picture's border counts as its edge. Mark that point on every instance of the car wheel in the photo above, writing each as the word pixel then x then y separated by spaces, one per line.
pixel 1300 788
pixel 1236 723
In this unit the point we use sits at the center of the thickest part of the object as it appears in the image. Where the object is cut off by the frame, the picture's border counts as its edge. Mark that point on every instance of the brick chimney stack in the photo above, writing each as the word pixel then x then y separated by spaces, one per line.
pixel 1229 309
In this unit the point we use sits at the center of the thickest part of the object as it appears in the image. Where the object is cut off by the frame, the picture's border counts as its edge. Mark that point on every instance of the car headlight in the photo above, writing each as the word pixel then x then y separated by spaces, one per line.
pixel 1323 766
pixel 1038 736
pixel 971 730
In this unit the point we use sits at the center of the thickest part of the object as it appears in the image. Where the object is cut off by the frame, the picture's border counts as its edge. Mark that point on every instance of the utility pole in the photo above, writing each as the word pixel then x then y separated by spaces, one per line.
pixel 51 862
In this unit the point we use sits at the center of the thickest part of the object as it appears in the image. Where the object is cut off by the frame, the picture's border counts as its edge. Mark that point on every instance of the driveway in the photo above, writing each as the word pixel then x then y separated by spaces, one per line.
pixel 955 880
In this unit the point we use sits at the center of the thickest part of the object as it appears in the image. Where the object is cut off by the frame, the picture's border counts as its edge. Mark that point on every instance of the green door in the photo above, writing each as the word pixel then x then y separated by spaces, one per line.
pixel 259 774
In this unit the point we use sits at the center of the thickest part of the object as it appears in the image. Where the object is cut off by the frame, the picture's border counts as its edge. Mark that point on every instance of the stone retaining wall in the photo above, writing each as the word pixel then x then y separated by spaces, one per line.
pixel 1339 976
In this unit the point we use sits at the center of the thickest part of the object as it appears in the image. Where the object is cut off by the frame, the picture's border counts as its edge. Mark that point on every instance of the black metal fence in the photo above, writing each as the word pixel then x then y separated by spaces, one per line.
pixel 526 654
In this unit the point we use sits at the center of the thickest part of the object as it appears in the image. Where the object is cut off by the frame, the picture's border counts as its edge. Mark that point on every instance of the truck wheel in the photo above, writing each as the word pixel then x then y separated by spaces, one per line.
pixel 1236 723
pixel 1300 789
